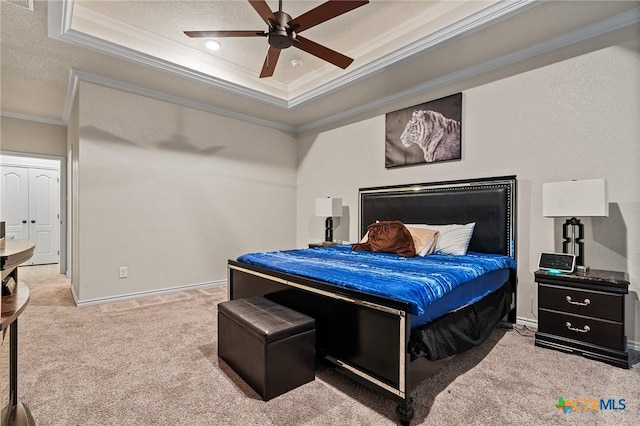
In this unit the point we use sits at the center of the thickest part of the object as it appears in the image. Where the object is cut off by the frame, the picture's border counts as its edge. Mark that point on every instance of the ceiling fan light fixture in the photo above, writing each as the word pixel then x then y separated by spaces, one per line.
pixel 212 44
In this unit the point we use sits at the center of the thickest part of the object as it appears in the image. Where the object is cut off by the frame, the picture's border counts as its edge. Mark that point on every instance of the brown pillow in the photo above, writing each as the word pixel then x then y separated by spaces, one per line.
pixel 388 237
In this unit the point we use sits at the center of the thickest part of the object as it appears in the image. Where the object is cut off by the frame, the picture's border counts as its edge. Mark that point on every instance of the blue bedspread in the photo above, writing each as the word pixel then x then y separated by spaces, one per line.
pixel 417 280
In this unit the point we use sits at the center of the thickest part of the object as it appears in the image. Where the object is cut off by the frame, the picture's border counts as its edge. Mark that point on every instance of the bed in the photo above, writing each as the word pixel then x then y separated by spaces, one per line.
pixel 383 341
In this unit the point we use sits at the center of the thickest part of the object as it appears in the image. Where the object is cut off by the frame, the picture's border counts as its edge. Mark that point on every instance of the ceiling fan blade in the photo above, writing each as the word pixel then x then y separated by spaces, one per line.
pixel 322 52
pixel 324 12
pixel 263 10
pixel 270 62
pixel 197 34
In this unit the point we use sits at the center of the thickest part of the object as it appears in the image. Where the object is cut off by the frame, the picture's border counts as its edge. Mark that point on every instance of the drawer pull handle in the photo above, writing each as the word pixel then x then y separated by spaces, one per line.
pixel 582 330
pixel 585 303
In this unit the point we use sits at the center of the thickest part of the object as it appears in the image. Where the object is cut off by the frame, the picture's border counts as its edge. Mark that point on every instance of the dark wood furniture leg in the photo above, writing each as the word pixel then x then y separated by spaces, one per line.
pixel 405 412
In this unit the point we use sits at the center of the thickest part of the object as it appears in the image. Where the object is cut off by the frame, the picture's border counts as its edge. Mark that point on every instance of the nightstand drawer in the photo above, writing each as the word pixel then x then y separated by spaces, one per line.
pixel 589 330
pixel 581 302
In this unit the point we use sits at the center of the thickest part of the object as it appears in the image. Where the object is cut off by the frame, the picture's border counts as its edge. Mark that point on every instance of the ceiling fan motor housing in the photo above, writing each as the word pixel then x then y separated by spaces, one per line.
pixel 279 37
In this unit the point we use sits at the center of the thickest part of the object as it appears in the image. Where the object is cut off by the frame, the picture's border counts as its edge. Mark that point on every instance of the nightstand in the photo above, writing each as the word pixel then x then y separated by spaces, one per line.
pixel 323 244
pixel 583 313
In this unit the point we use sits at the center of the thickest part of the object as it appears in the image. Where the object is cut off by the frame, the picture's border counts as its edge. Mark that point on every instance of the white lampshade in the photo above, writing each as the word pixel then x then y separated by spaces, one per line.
pixel 575 198
pixel 329 207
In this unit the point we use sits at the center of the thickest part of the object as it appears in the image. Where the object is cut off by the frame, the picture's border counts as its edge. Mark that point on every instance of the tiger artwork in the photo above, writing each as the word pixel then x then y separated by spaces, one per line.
pixel 437 135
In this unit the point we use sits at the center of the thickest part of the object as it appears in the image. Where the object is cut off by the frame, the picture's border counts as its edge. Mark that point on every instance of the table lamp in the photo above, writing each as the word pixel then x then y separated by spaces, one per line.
pixel 328 207
pixel 572 199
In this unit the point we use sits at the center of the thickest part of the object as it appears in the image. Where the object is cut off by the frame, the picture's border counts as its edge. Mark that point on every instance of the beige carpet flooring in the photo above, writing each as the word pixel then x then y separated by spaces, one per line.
pixel 153 361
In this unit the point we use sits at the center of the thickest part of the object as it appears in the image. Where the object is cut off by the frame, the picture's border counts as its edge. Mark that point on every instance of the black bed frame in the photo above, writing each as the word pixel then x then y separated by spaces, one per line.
pixel 367 336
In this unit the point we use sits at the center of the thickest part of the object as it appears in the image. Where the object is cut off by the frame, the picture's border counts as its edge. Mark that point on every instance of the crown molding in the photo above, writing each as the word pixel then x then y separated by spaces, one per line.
pixel 70 98
pixel 77 76
pixel 60 15
pixel 614 23
pixel 379 40
pixel 168 50
pixel 60 10
pixel 60 23
pixel 101 46
pixel 487 17
pixel 27 117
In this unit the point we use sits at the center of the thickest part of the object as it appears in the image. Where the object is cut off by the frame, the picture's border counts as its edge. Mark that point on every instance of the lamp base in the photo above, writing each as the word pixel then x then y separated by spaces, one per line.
pixel 328 230
pixel 573 233
pixel 582 270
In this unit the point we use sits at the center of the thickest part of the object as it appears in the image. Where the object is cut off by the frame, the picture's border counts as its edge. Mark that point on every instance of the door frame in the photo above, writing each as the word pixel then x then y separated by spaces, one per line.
pixel 62 191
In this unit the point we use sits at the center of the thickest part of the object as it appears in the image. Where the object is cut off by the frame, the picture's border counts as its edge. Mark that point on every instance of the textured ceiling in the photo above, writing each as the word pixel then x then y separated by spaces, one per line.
pixel 365 34
pixel 401 48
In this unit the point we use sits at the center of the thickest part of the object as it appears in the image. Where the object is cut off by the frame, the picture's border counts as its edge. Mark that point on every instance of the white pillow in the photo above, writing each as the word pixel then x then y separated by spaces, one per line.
pixel 453 239
pixel 423 239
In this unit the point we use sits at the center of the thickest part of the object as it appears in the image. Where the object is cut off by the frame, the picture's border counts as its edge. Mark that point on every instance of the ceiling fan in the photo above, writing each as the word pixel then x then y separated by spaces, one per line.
pixel 283 31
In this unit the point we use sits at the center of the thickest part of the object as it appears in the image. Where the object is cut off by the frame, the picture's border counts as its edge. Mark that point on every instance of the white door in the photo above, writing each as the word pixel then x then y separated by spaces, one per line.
pixel 44 217
pixel 15 202
pixel 30 209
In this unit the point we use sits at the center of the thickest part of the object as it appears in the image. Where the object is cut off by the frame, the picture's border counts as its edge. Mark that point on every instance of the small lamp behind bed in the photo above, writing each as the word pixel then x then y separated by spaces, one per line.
pixel 571 199
pixel 328 207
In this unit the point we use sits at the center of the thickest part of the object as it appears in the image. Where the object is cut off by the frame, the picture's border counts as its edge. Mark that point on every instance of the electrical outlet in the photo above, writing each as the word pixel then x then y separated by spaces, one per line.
pixel 124 272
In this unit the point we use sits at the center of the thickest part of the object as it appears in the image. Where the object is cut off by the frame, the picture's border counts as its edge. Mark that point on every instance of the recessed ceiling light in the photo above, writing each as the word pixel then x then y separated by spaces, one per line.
pixel 296 63
pixel 212 44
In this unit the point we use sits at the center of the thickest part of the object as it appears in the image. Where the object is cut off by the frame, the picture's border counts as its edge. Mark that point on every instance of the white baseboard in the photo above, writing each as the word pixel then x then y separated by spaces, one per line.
pixel 533 324
pixel 120 297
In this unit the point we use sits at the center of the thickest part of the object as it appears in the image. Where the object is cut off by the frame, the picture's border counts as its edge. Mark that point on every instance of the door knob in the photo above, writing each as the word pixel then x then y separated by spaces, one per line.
pixel 33 221
pixel 24 221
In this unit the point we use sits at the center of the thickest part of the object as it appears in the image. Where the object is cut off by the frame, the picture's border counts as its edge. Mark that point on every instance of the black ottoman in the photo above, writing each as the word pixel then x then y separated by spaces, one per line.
pixel 269 345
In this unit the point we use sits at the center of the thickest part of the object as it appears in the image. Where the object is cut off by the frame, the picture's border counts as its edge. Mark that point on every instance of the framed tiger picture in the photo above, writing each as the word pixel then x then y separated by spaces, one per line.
pixel 425 133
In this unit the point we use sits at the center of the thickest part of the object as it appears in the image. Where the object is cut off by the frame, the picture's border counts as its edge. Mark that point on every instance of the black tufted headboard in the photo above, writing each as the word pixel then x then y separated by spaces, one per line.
pixel 489 202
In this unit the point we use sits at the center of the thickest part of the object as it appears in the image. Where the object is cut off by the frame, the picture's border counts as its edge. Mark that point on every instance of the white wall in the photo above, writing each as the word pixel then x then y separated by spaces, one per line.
pixel 31 137
pixel 39 142
pixel 172 193
pixel 73 236
pixel 173 213
pixel 574 119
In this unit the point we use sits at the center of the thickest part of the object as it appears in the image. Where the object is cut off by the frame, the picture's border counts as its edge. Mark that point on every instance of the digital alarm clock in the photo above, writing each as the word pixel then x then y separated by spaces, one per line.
pixel 557 262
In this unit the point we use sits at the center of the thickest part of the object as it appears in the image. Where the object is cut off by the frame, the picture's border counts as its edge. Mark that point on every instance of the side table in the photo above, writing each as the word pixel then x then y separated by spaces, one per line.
pixel 15 297
pixel 583 313
pixel 323 244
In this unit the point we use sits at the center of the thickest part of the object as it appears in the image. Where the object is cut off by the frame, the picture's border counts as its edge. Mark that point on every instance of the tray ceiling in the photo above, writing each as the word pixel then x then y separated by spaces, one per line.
pixel 400 49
